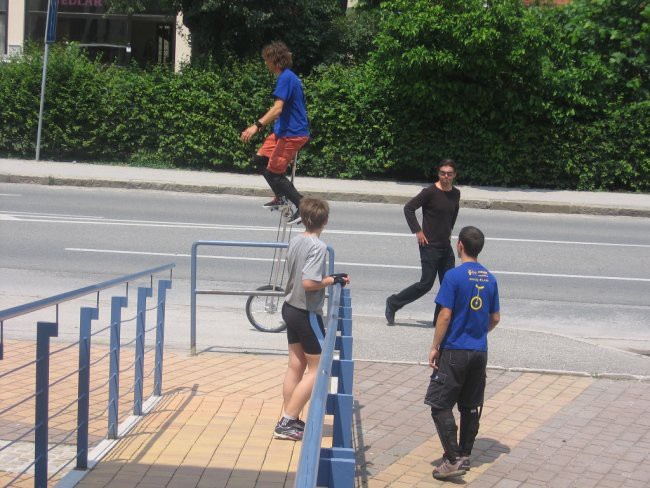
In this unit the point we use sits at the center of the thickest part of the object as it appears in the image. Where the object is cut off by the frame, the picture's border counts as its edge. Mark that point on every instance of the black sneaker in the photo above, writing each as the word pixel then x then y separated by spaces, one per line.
pixel 299 424
pixel 390 314
pixel 275 203
pixel 295 218
pixel 464 462
pixel 288 429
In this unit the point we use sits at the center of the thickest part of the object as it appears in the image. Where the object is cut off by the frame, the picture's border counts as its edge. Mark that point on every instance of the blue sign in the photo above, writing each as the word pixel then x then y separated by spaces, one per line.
pixel 50 33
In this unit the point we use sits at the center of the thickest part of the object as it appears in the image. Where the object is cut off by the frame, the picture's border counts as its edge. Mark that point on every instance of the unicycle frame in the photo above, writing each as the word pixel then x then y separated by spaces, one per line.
pixel 272 303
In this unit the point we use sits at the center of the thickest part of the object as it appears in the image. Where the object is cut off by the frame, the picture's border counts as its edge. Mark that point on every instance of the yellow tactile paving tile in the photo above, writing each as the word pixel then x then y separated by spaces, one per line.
pixel 509 416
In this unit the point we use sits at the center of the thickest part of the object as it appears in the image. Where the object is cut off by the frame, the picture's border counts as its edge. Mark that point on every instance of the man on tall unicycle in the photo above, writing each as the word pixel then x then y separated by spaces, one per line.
pixel 290 128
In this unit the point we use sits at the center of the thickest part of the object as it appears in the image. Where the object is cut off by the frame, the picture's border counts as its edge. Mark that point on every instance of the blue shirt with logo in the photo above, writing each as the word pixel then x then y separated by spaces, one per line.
pixel 293 119
pixel 471 292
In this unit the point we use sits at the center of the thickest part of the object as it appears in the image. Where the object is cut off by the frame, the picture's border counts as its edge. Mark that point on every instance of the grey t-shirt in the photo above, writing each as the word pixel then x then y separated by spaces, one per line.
pixel 306 261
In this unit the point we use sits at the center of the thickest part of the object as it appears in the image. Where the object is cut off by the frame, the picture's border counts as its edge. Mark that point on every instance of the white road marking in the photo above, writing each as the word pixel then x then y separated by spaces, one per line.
pixel 67 219
pixel 10 195
pixel 360 265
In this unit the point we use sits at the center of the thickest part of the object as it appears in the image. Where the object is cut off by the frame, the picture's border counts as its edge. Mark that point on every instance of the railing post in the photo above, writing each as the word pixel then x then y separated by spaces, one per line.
pixel 193 300
pixel 88 314
pixel 340 406
pixel 163 286
pixel 114 372
pixel 336 467
pixel 344 367
pixel 143 293
pixel 45 330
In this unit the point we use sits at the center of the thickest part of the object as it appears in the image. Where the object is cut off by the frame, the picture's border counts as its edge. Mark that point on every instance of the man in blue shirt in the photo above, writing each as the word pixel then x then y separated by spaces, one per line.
pixel 469 301
pixel 290 128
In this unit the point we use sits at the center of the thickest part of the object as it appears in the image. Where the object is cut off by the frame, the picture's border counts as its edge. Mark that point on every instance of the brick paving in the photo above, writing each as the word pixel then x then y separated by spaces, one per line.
pixel 213 427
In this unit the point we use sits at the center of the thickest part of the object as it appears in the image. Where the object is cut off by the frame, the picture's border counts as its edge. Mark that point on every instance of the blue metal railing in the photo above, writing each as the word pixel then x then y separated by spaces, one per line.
pixel 332 467
pixel 46 330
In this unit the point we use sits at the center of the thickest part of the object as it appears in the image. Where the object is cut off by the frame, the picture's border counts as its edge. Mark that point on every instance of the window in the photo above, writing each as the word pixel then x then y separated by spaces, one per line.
pixel 113 37
pixel 3 27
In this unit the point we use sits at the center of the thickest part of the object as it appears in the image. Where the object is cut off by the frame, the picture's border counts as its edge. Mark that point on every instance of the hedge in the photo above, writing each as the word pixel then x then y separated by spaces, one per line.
pixel 361 127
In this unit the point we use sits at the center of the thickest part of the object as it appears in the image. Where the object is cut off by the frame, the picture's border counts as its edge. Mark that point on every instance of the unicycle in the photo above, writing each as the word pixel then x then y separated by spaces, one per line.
pixel 265 312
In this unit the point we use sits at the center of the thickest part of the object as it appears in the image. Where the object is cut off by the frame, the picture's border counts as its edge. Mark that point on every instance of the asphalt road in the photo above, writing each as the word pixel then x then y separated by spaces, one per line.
pixel 569 284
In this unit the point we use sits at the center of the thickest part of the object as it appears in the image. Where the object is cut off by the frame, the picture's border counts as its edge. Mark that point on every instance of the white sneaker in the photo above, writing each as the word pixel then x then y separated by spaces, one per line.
pixel 295 218
pixel 449 470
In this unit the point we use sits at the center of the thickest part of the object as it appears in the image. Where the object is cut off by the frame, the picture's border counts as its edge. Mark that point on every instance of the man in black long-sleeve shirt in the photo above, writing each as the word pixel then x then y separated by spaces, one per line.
pixel 440 203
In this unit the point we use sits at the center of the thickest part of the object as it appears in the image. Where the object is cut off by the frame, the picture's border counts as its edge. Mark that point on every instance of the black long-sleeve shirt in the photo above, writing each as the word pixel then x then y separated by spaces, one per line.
pixel 439 212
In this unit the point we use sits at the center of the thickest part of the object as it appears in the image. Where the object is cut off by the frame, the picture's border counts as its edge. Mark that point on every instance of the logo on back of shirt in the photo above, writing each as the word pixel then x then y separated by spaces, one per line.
pixel 476 303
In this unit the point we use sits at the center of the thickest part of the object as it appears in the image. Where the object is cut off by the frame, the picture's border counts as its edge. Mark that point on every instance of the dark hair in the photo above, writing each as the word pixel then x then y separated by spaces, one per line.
pixel 314 213
pixel 447 162
pixel 278 54
pixel 472 240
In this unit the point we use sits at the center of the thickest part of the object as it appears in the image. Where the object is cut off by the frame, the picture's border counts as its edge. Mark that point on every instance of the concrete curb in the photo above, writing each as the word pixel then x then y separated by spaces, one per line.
pixel 510 205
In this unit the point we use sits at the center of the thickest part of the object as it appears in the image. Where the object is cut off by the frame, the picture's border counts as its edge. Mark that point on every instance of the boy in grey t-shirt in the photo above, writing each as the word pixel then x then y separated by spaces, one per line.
pixel 305 293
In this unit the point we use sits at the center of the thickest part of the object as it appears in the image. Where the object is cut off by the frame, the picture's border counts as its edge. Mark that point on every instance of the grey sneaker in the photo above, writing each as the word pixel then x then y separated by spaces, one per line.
pixel 448 470
pixel 464 462
pixel 288 429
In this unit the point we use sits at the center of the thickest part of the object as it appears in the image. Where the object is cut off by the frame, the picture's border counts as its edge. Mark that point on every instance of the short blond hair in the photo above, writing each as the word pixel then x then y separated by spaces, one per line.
pixel 314 213
pixel 278 54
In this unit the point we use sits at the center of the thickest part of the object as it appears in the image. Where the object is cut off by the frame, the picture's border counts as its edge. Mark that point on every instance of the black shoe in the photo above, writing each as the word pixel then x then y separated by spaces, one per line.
pixel 295 218
pixel 390 314
pixel 275 203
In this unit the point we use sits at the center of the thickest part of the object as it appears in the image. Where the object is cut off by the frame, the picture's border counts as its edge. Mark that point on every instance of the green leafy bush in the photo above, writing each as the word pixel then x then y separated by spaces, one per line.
pixel 532 96
pixel 351 127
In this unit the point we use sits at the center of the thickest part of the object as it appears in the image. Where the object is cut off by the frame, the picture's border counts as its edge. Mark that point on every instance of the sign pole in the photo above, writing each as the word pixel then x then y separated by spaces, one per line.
pixel 50 37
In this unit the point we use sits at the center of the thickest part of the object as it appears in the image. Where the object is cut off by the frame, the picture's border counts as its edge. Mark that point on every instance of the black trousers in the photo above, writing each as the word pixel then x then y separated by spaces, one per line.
pixel 434 260
pixel 282 186
pixel 459 379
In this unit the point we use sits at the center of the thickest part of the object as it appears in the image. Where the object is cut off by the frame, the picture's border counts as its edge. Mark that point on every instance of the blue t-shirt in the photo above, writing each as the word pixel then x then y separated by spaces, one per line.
pixel 293 120
pixel 471 292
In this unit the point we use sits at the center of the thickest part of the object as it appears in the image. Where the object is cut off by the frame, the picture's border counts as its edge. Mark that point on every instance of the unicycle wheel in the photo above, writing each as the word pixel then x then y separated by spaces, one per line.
pixel 265 313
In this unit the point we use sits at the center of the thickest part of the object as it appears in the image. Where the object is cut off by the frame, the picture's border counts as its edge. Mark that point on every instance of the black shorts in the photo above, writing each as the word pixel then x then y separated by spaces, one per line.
pixel 299 329
pixel 460 378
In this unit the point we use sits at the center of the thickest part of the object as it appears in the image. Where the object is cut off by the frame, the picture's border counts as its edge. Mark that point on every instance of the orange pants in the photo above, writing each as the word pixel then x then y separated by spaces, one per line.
pixel 281 151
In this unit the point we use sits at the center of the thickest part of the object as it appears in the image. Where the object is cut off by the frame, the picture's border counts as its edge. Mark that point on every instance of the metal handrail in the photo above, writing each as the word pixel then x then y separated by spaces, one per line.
pixel 47 330
pixel 71 295
pixel 307 472
pixel 194 291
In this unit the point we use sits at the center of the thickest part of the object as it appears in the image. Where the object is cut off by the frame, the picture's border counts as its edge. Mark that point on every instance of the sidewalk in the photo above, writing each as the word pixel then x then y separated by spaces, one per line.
pixel 213 428
pixel 81 174
pixel 213 425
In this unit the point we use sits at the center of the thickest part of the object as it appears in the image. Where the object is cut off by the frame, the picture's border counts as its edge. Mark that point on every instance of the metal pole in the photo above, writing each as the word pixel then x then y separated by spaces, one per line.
pixel 193 300
pixel 143 293
pixel 49 38
pixel 83 389
pixel 163 286
pixel 44 331
pixel 117 303
pixel 40 110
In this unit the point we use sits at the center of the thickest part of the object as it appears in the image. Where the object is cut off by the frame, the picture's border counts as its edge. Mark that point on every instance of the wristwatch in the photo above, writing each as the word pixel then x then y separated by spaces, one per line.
pixel 259 125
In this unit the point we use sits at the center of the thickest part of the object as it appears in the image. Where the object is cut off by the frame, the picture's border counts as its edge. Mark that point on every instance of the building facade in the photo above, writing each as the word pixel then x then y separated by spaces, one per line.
pixel 155 36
